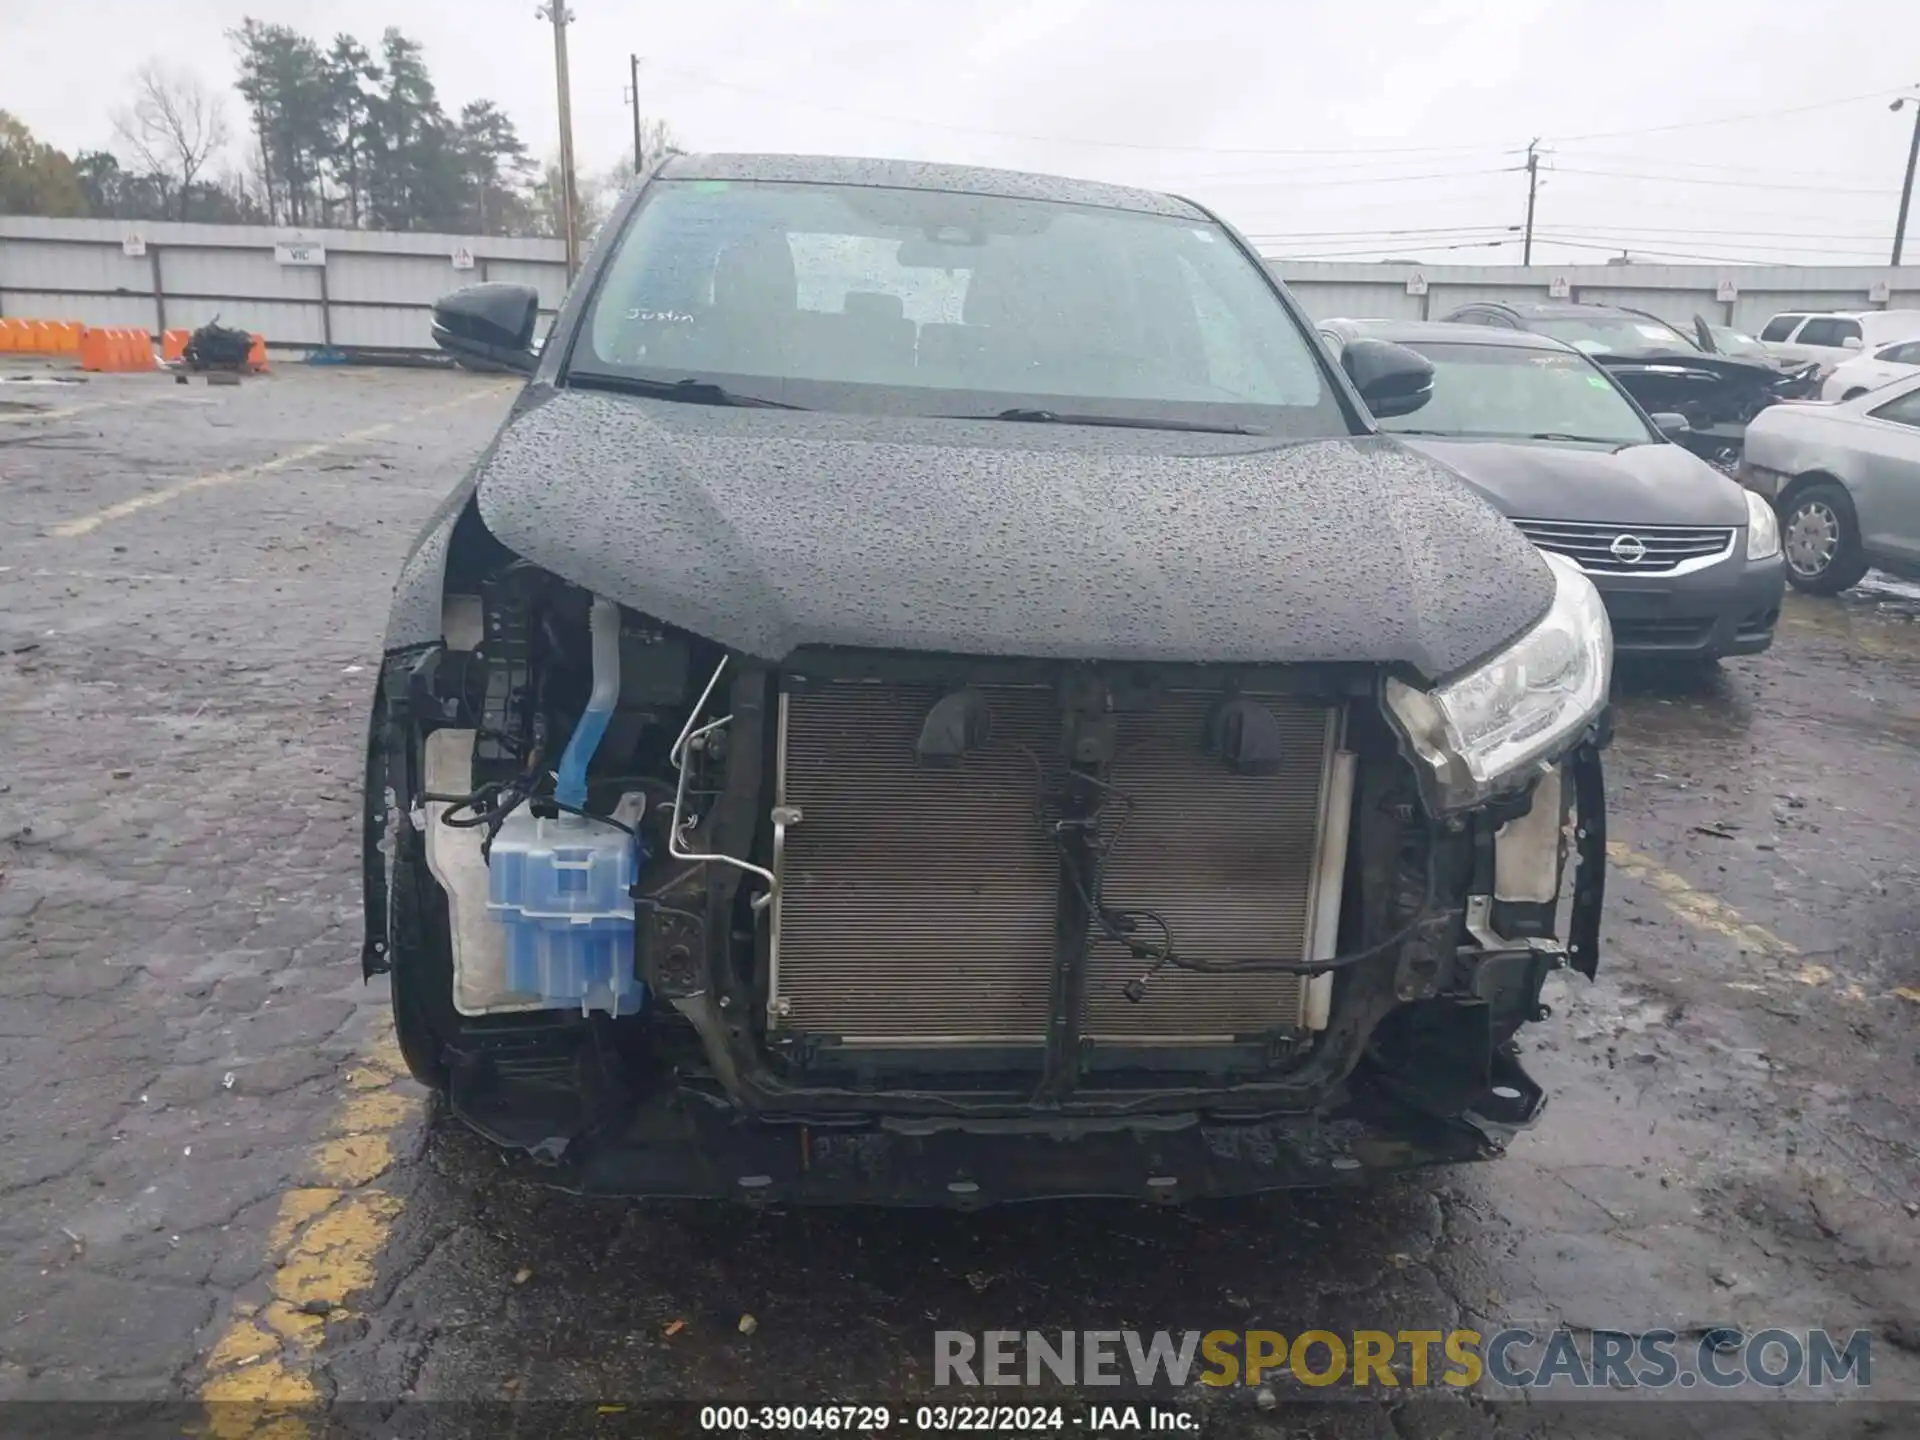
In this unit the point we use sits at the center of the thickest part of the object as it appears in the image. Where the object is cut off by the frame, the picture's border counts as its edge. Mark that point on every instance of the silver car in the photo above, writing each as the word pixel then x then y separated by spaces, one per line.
pixel 1845 481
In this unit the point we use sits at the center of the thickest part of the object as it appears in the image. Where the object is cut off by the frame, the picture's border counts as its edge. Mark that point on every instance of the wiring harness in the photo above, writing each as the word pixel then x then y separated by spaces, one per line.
pixel 1122 924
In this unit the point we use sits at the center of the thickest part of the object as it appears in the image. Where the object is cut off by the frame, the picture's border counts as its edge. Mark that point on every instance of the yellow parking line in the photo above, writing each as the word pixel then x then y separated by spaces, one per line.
pixel 1706 912
pixel 87 524
pixel 323 1250
pixel 1696 907
pixel 1844 631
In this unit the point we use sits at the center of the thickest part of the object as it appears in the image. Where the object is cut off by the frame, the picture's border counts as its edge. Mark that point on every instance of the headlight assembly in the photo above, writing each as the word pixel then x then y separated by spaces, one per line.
pixel 1484 731
pixel 1763 528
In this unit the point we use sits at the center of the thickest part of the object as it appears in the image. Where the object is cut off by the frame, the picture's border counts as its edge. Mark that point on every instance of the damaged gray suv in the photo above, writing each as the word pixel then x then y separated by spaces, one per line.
pixel 938 694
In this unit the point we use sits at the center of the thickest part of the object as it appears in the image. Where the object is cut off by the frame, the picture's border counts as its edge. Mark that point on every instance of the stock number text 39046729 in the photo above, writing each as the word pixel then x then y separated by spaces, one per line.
pixel 878 1419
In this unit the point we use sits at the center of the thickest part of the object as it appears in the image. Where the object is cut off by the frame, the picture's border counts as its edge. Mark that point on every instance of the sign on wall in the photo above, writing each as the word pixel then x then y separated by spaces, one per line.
pixel 1559 288
pixel 1726 290
pixel 134 244
pixel 462 258
pixel 1416 284
pixel 299 253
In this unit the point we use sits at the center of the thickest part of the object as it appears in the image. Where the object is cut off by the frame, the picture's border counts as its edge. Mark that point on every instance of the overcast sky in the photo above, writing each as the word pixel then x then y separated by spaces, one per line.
pixel 1315 128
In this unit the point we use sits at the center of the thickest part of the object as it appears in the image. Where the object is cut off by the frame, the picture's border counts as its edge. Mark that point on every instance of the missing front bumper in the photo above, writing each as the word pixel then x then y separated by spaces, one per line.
pixel 686 1149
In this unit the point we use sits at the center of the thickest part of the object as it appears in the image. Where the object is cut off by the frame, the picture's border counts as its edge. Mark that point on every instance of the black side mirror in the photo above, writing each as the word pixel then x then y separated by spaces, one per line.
pixel 489 324
pixel 1392 379
pixel 1672 424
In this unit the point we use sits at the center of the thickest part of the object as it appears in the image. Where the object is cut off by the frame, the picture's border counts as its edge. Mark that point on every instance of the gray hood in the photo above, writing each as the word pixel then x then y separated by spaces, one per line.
pixel 768 531
pixel 1634 485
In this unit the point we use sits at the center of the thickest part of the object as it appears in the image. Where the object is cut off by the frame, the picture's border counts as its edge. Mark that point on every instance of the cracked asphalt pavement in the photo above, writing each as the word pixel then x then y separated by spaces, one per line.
pixel 216 1183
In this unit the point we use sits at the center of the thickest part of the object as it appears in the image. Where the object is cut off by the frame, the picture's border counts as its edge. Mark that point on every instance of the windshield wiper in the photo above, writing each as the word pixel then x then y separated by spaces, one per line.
pixel 1124 422
pixel 689 391
pixel 1509 435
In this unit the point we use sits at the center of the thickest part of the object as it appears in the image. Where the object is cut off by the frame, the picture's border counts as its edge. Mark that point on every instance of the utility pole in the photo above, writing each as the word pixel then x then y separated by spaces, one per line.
pixel 556 11
pixel 633 93
pixel 1906 190
pixel 1533 184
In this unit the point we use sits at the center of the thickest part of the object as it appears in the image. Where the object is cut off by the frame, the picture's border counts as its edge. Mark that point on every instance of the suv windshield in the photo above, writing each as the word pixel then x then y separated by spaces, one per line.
pixel 856 298
pixel 1737 344
pixel 1614 334
pixel 1518 392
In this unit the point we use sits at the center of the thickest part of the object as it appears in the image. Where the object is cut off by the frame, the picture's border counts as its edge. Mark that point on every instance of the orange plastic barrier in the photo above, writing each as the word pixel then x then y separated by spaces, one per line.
pixel 115 349
pixel 19 336
pixel 257 354
pixel 173 344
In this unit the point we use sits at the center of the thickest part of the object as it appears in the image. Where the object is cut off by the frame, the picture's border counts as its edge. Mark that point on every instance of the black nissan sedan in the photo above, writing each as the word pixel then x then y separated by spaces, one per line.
pixel 1688 563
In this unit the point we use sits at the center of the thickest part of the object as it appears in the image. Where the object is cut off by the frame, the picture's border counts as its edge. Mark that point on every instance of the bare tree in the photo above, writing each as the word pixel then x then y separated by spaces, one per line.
pixel 603 191
pixel 176 125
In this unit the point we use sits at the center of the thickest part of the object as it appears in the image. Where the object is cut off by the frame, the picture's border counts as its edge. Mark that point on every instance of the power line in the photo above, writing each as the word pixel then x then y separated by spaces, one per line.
pixel 1348 164
pixel 1633 242
pixel 1881 94
pixel 1659 253
pixel 1059 139
pixel 1401 179
pixel 1696 233
pixel 1386 234
pixel 1344 150
pixel 1373 250
pixel 1733 184
pixel 1713 165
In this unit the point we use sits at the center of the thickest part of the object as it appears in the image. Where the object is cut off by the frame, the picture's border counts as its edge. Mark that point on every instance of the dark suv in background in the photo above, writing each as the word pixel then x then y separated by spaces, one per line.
pixel 1662 367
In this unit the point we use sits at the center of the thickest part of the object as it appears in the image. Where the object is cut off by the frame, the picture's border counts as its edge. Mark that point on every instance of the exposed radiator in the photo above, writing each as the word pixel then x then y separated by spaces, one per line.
pixel 918 904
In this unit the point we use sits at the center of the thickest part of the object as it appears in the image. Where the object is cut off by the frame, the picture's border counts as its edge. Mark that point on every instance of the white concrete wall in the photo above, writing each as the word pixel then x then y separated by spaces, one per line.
pixel 1676 293
pixel 379 287
pixel 375 291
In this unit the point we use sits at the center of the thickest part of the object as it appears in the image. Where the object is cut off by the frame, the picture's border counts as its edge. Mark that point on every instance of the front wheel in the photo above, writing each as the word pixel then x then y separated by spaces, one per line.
pixel 1820 536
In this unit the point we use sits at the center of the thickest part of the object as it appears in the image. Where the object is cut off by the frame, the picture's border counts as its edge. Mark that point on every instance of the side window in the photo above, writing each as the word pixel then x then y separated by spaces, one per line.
pixel 1904 411
pixel 1845 330
pixel 1472 317
pixel 1779 327
pixel 1905 353
pixel 1827 330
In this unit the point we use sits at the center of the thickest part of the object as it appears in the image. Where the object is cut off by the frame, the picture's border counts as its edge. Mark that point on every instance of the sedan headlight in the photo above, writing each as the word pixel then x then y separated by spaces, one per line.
pixel 1763 528
pixel 1486 731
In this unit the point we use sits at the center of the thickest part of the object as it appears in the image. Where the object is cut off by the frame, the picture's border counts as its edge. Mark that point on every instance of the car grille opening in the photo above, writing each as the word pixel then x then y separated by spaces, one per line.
pixel 1661 634
pixel 918 904
pixel 1632 550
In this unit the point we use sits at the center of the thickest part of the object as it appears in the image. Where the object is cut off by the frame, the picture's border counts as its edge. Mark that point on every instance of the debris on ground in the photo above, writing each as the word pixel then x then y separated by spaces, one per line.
pixel 217 347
